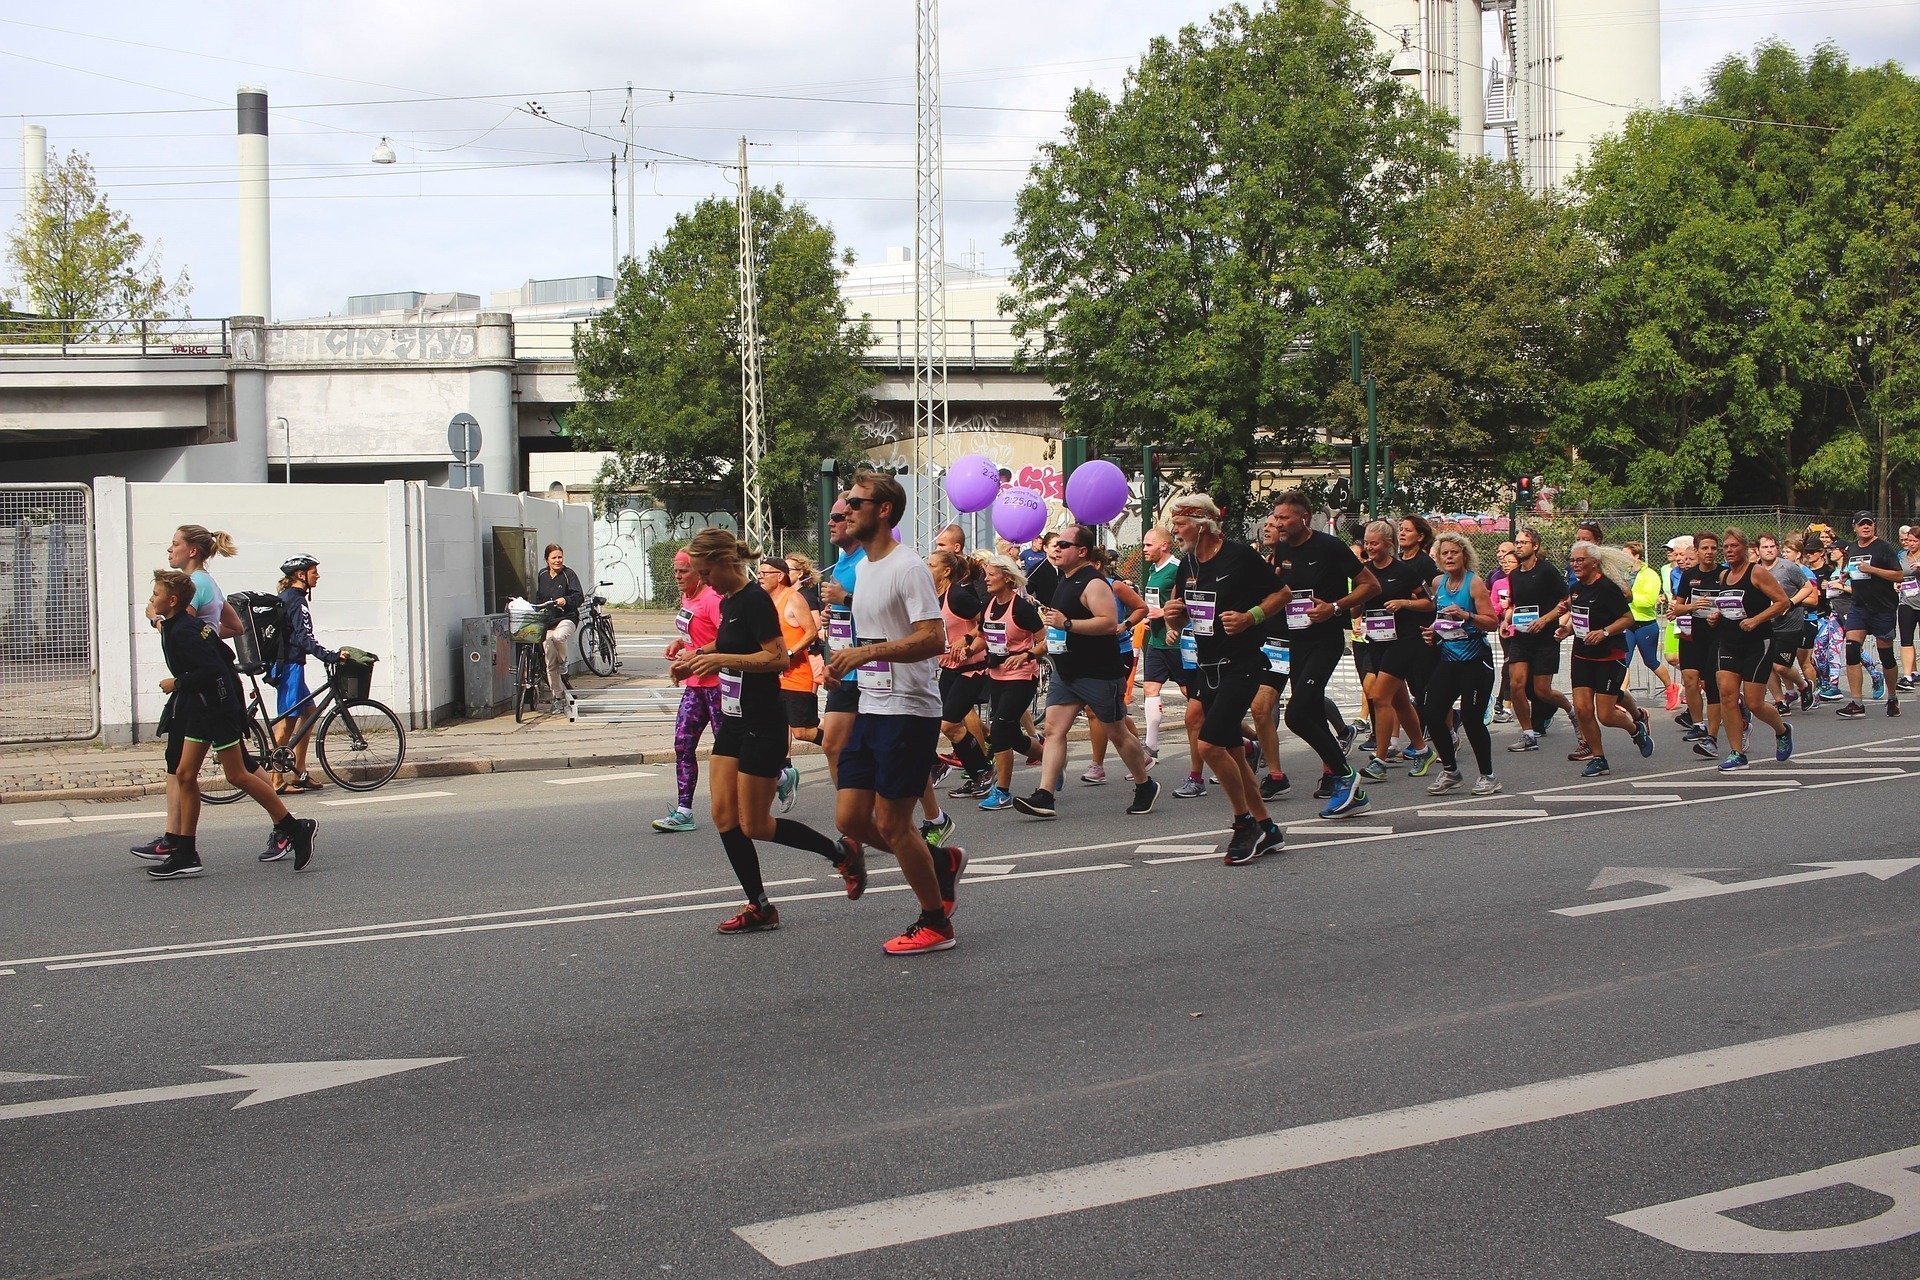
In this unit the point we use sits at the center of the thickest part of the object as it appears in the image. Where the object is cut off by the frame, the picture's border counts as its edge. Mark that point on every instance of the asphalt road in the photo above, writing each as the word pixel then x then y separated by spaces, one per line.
pixel 1384 1053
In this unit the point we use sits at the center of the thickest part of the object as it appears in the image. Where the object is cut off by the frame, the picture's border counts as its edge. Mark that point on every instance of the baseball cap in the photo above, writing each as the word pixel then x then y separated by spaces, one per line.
pixel 1864 517
pixel 1682 543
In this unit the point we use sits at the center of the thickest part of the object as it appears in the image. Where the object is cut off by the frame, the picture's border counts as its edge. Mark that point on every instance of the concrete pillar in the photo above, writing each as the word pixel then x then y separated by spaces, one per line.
pixel 244 460
pixel 114 612
pixel 490 399
pixel 256 269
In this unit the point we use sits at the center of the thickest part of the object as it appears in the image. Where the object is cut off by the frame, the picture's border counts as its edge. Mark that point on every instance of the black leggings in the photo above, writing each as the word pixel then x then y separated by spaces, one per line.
pixel 1306 715
pixel 1007 700
pixel 1469 683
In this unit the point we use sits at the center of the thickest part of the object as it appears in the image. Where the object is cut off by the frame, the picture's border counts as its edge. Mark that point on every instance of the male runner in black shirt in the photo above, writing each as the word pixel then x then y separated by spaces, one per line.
pixel 1873 567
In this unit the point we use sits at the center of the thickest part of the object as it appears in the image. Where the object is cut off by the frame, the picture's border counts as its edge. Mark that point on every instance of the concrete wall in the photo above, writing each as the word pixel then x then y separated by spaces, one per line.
pixel 400 568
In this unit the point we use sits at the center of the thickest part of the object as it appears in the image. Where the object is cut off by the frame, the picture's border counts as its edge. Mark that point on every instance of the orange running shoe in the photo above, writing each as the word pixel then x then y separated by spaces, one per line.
pixel 752 919
pixel 852 867
pixel 921 937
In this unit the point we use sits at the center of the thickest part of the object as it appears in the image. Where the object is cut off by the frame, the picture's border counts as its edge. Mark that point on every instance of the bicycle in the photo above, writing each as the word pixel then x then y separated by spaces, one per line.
pixel 529 675
pixel 597 647
pixel 361 743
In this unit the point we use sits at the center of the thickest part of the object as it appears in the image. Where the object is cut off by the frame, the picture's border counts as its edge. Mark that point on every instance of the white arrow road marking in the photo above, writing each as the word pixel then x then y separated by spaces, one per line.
pixel 403 795
pixel 27 1077
pixel 1685 887
pixel 811 1237
pixel 263 1081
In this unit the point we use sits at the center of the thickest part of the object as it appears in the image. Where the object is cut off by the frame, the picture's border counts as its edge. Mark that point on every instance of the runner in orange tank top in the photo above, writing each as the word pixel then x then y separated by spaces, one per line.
pixel 797 631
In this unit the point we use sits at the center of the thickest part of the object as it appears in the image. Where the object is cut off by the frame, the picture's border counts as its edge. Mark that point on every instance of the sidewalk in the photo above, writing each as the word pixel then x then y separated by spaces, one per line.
pixel 88 771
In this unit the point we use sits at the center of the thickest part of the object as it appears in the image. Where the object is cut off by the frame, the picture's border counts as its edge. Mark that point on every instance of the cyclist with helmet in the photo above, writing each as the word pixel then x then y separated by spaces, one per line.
pixel 298 577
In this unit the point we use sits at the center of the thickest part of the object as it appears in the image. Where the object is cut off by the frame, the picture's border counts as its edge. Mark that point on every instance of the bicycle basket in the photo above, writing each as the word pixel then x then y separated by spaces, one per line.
pixel 527 623
pixel 353 676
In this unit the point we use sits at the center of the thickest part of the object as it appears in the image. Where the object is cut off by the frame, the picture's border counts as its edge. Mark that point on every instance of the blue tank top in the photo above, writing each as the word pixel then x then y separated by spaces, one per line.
pixel 1120 616
pixel 1470 642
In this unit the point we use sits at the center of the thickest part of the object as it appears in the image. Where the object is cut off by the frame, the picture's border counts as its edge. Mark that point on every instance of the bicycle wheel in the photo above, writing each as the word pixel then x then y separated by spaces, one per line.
pixel 522 682
pixel 596 647
pixel 214 787
pixel 361 745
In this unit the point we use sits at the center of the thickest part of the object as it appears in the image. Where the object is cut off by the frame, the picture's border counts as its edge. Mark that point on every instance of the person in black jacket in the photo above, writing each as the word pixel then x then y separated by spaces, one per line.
pixel 298 577
pixel 206 704
pixel 558 588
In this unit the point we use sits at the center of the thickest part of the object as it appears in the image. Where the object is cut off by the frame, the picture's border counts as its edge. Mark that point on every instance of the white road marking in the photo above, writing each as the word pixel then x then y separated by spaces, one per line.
pixel 1835 770
pixel 28 1077
pixel 87 817
pixel 1448 812
pixel 404 795
pixel 262 1081
pixel 1185 857
pixel 1754 784
pixel 1094 848
pixel 397 924
pixel 597 777
pixel 837 1233
pixel 981 868
pixel 1317 825
pixel 1178 848
pixel 1683 887
pixel 1597 799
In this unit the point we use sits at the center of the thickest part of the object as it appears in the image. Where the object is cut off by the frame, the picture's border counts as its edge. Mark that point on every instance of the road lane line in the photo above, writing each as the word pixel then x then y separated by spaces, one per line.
pixel 1482 813
pixel 399 924
pixel 1094 848
pixel 404 795
pixel 1301 828
pixel 880 1224
pixel 1598 799
pixel 1831 770
pixel 1752 783
pixel 86 817
pixel 598 777
pixel 1178 848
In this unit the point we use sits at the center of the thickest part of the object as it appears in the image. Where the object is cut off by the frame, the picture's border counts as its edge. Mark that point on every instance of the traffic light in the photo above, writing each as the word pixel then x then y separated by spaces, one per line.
pixel 1523 493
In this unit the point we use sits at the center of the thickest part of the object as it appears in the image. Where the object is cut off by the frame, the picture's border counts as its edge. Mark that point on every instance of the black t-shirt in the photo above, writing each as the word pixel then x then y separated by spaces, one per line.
pixel 1410 579
pixel 1605 604
pixel 1870 592
pixel 1325 567
pixel 1042 581
pixel 1088 657
pixel 1705 582
pixel 747 621
pixel 1541 587
pixel 1238 578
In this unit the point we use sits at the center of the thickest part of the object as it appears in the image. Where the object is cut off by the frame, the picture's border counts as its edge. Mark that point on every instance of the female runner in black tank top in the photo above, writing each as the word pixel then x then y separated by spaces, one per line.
pixel 1746 649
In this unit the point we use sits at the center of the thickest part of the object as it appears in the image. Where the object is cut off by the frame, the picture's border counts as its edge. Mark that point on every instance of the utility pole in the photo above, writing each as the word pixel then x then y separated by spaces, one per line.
pixel 929 279
pixel 753 444
pixel 628 117
pixel 613 191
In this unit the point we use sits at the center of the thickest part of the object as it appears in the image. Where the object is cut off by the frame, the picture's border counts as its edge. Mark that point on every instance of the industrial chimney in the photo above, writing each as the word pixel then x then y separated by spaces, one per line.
pixel 256 259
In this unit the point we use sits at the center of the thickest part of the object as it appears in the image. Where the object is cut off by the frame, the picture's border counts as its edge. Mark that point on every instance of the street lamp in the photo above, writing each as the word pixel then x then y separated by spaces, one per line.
pixel 287 427
pixel 383 154
pixel 1406 60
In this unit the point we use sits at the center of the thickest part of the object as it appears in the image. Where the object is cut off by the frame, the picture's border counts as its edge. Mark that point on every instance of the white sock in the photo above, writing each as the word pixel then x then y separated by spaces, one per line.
pixel 1153 722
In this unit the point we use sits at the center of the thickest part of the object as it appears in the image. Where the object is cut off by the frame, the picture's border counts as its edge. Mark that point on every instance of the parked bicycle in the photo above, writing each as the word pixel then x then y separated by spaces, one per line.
pixel 361 743
pixel 597 648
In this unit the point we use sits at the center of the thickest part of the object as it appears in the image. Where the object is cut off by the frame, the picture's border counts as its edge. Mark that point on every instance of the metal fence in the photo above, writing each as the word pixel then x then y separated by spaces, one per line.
pixel 28 336
pixel 49 686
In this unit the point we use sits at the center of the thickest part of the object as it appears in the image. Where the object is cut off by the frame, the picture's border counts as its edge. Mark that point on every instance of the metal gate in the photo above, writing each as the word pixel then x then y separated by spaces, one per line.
pixel 49 678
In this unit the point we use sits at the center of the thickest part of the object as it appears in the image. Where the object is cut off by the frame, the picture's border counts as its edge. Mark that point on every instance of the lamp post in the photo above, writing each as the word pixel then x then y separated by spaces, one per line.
pixel 287 427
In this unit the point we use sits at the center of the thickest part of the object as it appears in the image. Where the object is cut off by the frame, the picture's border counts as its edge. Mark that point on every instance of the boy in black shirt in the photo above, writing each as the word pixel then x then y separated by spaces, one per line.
pixel 206 704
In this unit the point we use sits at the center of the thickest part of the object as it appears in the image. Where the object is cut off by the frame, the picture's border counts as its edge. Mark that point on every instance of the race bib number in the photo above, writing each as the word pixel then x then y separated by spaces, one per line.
pixel 996 633
pixel 1189 651
pixel 1831 587
pixel 1153 597
pixel 1910 588
pixel 839 631
pixel 1449 628
pixel 1732 605
pixel 1380 626
pixel 1056 640
pixel 875 677
pixel 1200 611
pixel 1581 620
pixel 1684 625
pixel 1526 617
pixel 730 694
pixel 1297 610
pixel 1711 601
pixel 683 623
pixel 1857 567
pixel 1279 657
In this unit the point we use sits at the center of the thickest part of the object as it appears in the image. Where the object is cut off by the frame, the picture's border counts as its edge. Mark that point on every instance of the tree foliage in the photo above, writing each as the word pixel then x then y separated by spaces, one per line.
pixel 76 258
pixel 1192 253
pixel 659 371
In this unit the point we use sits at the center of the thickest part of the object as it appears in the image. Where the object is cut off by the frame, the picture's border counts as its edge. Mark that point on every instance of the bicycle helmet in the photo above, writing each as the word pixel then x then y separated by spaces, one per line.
pixel 296 564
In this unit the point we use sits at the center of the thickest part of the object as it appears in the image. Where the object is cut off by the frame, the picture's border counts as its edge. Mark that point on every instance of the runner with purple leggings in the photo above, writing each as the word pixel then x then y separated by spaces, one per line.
pixel 698 623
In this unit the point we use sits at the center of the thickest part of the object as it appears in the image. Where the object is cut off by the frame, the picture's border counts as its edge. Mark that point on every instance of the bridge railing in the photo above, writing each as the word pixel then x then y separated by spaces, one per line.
pixel 971 344
pixel 33 336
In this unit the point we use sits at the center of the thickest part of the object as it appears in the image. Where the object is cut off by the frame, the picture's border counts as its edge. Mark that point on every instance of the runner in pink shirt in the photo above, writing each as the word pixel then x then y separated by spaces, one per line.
pixel 698 623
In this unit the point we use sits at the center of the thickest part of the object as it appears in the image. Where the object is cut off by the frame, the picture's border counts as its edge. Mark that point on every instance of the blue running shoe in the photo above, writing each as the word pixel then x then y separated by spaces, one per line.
pixel 1879 682
pixel 1783 745
pixel 997 799
pixel 1347 800
pixel 1735 760
pixel 1596 768
pixel 1643 740
pixel 1374 770
pixel 1418 762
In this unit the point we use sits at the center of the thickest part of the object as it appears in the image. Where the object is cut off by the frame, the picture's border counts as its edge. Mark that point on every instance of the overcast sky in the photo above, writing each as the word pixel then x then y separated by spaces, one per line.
pixel 487 194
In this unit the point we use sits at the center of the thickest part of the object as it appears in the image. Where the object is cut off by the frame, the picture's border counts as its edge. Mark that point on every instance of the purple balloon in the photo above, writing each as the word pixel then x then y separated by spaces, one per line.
pixel 1096 492
pixel 1019 514
pixel 972 483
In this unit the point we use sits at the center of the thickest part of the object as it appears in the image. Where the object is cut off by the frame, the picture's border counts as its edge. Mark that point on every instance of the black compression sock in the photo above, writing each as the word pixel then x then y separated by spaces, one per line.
pixel 185 844
pixel 972 758
pixel 798 835
pixel 745 861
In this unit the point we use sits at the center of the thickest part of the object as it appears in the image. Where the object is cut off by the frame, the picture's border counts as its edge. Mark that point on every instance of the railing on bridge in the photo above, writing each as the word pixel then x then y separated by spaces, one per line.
pixel 32 336
pixel 971 344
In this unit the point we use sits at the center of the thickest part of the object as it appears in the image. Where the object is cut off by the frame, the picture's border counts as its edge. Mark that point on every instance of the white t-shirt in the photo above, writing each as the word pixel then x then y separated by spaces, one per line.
pixel 895 592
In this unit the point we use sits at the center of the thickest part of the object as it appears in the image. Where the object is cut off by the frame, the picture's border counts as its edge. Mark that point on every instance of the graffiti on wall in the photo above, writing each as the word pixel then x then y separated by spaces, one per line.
pixel 623 537
pixel 409 342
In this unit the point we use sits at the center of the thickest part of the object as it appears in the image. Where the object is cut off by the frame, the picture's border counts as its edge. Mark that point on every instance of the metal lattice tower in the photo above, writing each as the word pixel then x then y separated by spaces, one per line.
pixel 930 450
pixel 753 442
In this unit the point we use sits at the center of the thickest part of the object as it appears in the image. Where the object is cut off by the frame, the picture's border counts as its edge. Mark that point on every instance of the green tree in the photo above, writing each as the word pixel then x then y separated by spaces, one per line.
pixel 659 370
pixel 1192 254
pixel 1469 343
pixel 75 258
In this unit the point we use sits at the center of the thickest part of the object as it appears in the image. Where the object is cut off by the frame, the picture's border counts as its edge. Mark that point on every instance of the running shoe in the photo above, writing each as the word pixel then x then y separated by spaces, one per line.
pixel 678 820
pixel 1828 693
pixel 948 759
pixel 1243 845
pixel 752 919
pixel 940 773
pixel 1879 682
pixel 922 936
pixel 1367 743
pixel 1035 749
pixel 1893 705
pixel 1153 754
pixel 277 848
pixel 1447 781
pixel 1348 799
pixel 1037 805
pixel 1596 768
pixel 1144 794
pixel 1852 711
pixel 1192 789
pixel 1735 760
pixel 1684 720
pixel 1643 739
pixel 787 788
pixel 1783 745
pixel 1418 762
pixel 1784 707
pixel 1488 785
pixel 1905 684
pixel 1581 751
pixel 996 799
pixel 1546 718
pixel 1808 696
pixel 1325 790
pixel 1271 838
pixel 1274 786
pixel 937 833
pixel 956 864
pixel 1527 741
pixel 1349 735
pixel 1695 733
pixel 852 866
pixel 154 850
pixel 299 834
pixel 1095 777
pixel 1503 716
pixel 179 865
pixel 1707 748
pixel 1394 755
pixel 973 788
pixel 1256 758
pixel 1673 697
pixel 1374 770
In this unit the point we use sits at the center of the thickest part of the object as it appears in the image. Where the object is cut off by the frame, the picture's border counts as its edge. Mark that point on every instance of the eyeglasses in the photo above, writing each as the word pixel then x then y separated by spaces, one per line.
pixel 837 517
pixel 855 503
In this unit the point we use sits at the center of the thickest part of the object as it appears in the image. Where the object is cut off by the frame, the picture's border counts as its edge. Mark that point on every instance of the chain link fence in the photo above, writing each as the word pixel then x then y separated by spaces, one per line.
pixel 48 686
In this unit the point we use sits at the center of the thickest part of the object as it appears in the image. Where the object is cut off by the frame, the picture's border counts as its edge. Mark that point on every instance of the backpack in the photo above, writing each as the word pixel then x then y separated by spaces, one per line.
pixel 263 629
